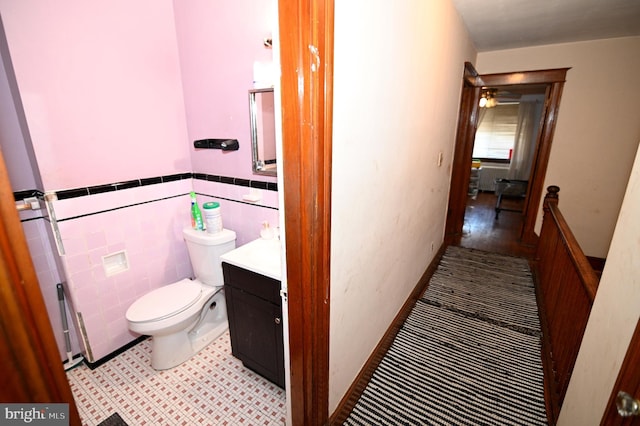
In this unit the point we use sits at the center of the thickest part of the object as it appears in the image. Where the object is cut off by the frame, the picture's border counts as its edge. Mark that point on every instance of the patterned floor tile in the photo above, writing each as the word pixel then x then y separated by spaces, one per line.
pixel 212 388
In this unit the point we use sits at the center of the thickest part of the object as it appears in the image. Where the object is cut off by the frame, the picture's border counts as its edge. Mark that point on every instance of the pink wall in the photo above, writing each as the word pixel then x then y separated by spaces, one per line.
pixel 43 256
pixel 103 99
pixel 147 222
pixel 219 41
pixel 21 174
pixel 100 84
pixel 244 218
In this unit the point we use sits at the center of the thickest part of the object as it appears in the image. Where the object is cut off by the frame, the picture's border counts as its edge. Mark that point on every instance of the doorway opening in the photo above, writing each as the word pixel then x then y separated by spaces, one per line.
pixel 498 199
pixel 509 123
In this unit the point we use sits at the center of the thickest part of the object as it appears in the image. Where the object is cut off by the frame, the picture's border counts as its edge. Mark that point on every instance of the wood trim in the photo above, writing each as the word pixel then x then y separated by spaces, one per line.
pixel 461 169
pixel 628 381
pixel 31 367
pixel 565 289
pixel 550 401
pixel 306 37
pixel 540 163
pixel 352 396
pixel 597 263
pixel 525 77
pixel 583 268
pixel 470 76
pixel 465 138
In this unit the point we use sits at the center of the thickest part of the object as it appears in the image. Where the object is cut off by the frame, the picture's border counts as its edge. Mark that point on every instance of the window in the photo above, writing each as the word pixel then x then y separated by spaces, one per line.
pixel 496 132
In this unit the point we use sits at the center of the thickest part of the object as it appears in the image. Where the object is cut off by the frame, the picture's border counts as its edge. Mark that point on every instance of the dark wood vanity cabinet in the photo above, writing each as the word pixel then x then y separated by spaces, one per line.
pixel 254 310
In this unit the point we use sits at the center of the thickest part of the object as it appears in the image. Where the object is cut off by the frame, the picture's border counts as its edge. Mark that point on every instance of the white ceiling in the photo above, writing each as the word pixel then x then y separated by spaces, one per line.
pixel 505 24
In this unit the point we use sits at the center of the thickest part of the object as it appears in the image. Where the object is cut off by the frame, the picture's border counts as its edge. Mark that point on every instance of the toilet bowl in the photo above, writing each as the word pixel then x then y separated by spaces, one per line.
pixel 184 317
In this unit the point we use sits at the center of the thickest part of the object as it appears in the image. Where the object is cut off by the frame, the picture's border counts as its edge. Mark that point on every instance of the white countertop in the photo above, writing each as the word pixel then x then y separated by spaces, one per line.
pixel 260 256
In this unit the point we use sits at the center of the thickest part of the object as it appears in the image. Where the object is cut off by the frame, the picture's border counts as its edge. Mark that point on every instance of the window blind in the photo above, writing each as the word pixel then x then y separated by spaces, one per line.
pixel 496 132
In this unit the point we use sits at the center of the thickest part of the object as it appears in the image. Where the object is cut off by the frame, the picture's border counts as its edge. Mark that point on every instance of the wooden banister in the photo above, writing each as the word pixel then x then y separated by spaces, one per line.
pixel 585 271
pixel 566 285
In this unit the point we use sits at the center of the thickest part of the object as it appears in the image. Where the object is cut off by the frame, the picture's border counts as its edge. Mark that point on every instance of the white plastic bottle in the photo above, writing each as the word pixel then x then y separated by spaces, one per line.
pixel 212 217
pixel 266 233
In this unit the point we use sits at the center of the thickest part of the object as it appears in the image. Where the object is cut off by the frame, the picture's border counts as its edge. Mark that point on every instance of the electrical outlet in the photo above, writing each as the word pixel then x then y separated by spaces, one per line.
pixel 440 156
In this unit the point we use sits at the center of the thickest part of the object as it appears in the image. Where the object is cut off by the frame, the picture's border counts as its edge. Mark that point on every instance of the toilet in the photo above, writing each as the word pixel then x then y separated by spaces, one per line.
pixel 184 317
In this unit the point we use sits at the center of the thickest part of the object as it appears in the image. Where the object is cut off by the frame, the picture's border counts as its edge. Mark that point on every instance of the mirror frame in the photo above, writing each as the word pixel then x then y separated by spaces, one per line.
pixel 258 163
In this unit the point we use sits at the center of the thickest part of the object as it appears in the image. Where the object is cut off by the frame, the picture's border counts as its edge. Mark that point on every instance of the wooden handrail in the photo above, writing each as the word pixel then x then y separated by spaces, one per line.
pixel 585 271
pixel 566 286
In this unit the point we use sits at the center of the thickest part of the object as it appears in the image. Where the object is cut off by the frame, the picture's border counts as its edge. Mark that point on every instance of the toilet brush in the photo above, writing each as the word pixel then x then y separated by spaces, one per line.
pixel 70 363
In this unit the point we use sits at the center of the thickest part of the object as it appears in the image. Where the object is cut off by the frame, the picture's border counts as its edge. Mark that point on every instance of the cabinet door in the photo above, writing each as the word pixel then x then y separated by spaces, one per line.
pixel 255 327
pixel 256 284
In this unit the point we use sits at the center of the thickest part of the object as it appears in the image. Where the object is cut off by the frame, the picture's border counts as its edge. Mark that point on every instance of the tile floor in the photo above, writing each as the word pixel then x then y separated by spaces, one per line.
pixel 212 388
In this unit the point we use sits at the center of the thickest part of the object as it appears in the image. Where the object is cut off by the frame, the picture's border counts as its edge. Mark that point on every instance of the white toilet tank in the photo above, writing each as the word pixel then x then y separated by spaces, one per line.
pixel 205 250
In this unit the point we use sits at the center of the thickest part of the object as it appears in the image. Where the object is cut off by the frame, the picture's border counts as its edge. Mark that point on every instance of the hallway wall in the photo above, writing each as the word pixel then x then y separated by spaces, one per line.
pixel 397 83
pixel 614 316
pixel 597 132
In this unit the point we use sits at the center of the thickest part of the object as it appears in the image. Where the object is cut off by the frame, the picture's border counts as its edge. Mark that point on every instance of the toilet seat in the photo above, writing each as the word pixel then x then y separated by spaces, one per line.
pixel 165 302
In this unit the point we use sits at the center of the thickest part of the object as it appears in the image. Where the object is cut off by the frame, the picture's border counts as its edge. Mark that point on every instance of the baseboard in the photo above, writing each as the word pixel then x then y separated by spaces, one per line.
pixel 98 363
pixel 360 383
pixel 597 263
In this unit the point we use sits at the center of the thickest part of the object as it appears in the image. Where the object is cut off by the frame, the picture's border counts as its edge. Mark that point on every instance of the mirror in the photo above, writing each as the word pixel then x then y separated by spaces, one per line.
pixel 263 131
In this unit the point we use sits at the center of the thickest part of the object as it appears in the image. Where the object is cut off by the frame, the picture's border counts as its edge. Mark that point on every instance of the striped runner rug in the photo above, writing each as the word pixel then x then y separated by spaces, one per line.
pixel 468 354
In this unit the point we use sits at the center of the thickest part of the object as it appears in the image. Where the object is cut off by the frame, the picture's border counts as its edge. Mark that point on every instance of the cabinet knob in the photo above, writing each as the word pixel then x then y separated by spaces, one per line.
pixel 277 320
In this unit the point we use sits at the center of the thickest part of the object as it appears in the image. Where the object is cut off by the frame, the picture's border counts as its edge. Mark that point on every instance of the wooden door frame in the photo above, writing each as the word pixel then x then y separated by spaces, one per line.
pixel 461 167
pixel 467 125
pixel 306 49
pixel 31 367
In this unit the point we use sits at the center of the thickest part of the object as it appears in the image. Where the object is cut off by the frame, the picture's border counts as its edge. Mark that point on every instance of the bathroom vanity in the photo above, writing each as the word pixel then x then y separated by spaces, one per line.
pixel 254 307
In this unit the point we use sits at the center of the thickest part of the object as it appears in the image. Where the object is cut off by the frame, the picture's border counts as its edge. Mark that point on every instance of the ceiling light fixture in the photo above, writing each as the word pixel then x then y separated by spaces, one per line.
pixel 488 98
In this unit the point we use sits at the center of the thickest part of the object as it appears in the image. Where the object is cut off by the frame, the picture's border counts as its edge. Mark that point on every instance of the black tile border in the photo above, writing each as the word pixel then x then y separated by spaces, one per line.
pixel 259 184
pixel 73 193
pixel 99 189
pixel 110 356
pixel 227 179
pixel 28 193
pixel 118 186
pixel 269 186
pixel 150 181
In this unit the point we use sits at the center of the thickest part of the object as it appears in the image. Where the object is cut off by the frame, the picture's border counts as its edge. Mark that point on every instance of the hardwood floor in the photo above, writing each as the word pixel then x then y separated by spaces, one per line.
pixel 483 231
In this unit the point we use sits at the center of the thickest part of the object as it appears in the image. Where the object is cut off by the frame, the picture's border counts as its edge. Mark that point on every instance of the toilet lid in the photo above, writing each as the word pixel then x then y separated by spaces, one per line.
pixel 164 302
